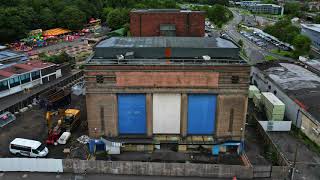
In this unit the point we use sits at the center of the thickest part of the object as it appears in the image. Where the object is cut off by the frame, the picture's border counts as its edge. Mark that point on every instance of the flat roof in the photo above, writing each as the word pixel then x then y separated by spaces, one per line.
pixel 314 27
pixel 157 48
pixel 300 84
pixel 24 67
pixel 7 54
pixel 164 11
pixel 159 42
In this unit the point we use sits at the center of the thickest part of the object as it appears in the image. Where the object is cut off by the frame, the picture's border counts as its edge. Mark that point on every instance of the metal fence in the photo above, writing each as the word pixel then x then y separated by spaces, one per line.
pixel 31 165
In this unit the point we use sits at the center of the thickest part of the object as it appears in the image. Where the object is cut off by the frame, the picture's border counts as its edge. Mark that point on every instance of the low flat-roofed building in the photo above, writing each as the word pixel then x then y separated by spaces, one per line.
pixel 313 32
pixel 266 9
pixel 20 76
pixel 154 90
pixel 298 88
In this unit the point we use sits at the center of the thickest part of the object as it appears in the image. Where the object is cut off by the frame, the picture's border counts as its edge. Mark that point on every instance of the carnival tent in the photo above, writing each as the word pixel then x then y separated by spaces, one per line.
pixel 55 32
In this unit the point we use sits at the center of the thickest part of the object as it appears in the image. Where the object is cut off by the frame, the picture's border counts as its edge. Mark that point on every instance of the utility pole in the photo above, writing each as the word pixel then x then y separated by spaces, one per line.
pixel 293 169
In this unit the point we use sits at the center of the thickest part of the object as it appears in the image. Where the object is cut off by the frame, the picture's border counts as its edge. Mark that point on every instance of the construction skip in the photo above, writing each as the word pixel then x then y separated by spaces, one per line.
pixel 166 113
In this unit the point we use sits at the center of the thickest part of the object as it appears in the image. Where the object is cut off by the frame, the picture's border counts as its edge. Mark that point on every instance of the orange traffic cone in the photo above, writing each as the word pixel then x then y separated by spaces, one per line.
pixel 234 178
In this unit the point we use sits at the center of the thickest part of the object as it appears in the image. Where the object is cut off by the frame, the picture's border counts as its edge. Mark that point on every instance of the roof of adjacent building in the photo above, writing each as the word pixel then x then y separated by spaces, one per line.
pixel 160 42
pixel 164 11
pixel 314 27
pixel 298 83
pixel 23 68
pixel 6 55
pixel 156 48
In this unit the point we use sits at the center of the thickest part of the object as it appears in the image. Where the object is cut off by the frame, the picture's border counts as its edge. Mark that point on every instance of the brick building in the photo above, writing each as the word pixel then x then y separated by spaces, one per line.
pixel 154 90
pixel 167 22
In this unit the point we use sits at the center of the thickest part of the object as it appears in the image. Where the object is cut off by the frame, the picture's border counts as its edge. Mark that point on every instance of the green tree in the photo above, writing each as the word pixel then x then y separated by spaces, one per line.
pixel 46 19
pixel 117 18
pixel 268 2
pixel 219 15
pixel 293 9
pixel 302 45
pixel 105 13
pixel 283 27
pixel 317 19
pixel 12 26
pixel 240 42
pixel 72 18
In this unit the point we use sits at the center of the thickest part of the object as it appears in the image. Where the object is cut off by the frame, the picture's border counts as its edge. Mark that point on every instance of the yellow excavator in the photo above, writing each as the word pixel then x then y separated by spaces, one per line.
pixel 69 119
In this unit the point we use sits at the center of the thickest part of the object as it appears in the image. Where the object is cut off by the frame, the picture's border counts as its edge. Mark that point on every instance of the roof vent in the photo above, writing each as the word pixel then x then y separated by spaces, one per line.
pixel 206 57
pixel 120 57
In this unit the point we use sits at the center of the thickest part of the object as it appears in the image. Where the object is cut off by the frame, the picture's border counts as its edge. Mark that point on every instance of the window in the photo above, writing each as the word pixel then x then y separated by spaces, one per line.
pixel 25 78
pixel 14 82
pixel 21 148
pixel 35 75
pixel 35 151
pixel 99 79
pixel 4 85
pixel 231 120
pixel 269 87
pixel 102 117
pixel 275 92
pixel 167 30
pixel 234 79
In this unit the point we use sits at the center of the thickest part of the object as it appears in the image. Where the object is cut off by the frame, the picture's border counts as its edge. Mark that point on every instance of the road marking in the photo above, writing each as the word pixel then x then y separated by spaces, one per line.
pixel 24 176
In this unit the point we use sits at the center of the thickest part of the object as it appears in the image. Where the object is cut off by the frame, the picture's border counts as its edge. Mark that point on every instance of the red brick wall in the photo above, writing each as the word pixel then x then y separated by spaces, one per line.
pixel 150 23
pixel 167 79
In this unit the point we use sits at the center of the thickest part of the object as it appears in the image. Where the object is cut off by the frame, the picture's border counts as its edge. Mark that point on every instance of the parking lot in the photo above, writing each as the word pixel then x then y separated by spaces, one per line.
pixel 263 41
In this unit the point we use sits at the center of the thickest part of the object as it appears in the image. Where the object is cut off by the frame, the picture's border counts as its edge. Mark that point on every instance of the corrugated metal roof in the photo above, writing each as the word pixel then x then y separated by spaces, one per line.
pixel 299 83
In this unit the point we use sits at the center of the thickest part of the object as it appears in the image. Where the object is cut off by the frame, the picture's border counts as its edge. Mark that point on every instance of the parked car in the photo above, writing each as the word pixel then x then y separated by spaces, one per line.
pixel 27 147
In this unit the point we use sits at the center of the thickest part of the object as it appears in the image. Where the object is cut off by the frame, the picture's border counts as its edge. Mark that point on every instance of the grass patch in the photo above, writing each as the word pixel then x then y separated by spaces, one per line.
pixel 245 12
pixel 282 53
pixel 270 58
pixel 297 133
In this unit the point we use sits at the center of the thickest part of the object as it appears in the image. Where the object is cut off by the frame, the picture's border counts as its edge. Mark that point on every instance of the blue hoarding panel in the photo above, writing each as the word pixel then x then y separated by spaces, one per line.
pixel 201 113
pixel 132 113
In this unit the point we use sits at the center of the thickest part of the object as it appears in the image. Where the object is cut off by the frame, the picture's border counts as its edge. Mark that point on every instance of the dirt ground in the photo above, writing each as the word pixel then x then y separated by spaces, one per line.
pixel 32 125
pixel 308 162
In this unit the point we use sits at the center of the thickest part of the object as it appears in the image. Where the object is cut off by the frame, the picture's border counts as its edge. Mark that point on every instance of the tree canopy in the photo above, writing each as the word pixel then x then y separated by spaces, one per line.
pixel 18 17
pixel 285 31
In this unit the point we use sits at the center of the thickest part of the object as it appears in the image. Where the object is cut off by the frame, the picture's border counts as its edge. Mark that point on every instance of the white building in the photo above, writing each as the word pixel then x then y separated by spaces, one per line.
pixel 298 88
pixel 20 76
pixel 313 32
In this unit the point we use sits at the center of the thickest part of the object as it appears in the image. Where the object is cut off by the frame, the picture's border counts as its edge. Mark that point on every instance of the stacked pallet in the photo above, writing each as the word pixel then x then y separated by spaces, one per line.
pixel 257 100
pixel 273 106
pixel 253 90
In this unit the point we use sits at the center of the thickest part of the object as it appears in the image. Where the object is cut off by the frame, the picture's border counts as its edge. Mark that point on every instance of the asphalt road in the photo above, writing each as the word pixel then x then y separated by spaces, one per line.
pixel 255 53
pixel 66 176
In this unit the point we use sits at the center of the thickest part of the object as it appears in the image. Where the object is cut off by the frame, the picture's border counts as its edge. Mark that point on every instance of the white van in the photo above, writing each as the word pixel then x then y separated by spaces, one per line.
pixel 27 147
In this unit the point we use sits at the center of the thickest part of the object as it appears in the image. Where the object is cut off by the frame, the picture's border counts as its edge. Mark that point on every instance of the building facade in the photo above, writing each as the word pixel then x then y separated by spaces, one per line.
pixel 155 90
pixel 167 22
pixel 298 88
pixel 266 9
pixel 18 77
pixel 313 32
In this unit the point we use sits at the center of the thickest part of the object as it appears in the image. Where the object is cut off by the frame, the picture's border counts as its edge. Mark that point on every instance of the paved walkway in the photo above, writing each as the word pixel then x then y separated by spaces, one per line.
pixel 308 162
pixel 55 176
